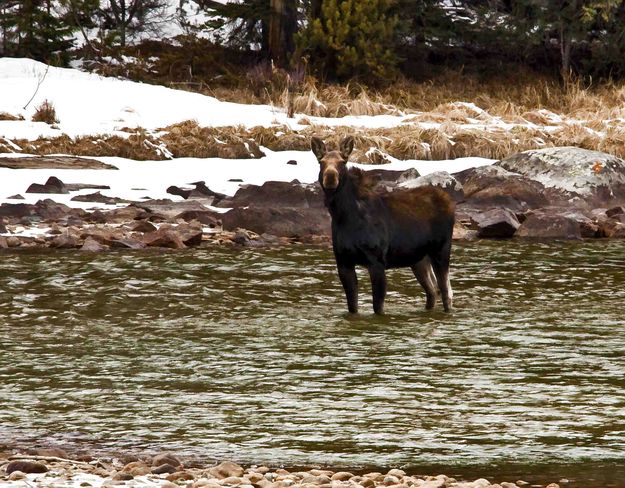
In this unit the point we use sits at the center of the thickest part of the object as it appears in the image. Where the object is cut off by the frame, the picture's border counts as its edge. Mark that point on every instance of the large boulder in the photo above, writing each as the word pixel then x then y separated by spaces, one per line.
pixel 546 225
pixel 52 185
pixel 291 194
pixel 281 222
pixel 590 176
pixel 497 223
pixel 488 186
pixel 442 179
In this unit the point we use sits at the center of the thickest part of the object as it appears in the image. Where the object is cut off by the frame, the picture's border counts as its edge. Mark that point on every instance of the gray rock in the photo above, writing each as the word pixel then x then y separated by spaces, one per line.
pixel 281 222
pixel 53 185
pixel 166 458
pixel 91 245
pixel 593 176
pixel 542 225
pixel 441 179
pixel 498 223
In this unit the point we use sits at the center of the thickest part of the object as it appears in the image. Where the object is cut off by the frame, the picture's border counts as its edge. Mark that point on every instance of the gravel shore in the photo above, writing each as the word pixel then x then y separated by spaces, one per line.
pixel 166 470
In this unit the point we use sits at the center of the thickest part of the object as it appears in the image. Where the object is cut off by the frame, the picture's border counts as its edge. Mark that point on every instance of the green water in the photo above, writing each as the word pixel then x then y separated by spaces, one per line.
pixel 249 355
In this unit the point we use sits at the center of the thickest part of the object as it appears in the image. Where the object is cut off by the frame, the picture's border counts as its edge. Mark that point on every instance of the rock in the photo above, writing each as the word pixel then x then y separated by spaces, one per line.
pixel 91 245
pixel 342 476
pixel 619 231
pixel 164 238
pixel 170 210
pixel 3 243
pixel 435 483
pixel 51 451
pixel 16 476
pixel 122 476
pixel 227 469
pixel 97 197
pixel 498 223
pixel 276 194
pixel 390 480
pixel 49 210
pixel 461 233
pixel 127 243
pixel 190 235
pixel 52 162
pixel 206 217
pixel 397 473
pixel 593 176
pixel 26 467
pixel 615 211
pixel 123 215
pixel 53 185
pixel 16 197
pixel 85 186
pixel 281 222
pixel 541 225
pixel 496 186
pixel 16 210
pixel 441 179
pixel 13 241
pixel 143 226
pixel 292 162
pixel 137 468
pixel 408 175
pixel 166 458
pixel 164 469
pixel 65 241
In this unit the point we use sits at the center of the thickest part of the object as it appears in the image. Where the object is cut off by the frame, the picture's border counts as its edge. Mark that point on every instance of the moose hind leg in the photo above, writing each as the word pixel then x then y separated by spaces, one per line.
pixel 347 275
pixel 440 265
pixel 425 276
pixel 377 274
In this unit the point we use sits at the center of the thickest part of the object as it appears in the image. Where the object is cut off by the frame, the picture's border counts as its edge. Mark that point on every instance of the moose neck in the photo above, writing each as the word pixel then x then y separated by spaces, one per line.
pixel 342 203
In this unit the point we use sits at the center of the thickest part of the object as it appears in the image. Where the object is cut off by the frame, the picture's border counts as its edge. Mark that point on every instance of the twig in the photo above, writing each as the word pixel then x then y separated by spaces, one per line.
pixel 48 458
pixel 38 85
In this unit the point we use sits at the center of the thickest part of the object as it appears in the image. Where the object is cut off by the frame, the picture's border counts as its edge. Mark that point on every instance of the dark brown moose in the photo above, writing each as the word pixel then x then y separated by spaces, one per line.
pixel 382 230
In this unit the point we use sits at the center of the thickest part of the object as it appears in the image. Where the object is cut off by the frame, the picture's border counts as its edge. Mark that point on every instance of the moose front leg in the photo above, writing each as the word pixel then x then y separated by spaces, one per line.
pixel 377 274
pixel 347 274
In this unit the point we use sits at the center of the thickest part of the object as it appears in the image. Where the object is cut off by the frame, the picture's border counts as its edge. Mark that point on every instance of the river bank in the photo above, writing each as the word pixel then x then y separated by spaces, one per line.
pixel 557 193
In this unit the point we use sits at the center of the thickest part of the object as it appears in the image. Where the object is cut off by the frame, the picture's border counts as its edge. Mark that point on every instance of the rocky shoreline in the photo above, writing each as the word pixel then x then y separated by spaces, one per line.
pixel 53 467
pixel 555 193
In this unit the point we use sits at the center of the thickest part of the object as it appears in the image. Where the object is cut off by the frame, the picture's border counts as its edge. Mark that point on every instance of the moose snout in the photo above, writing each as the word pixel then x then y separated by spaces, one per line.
pixel 330 180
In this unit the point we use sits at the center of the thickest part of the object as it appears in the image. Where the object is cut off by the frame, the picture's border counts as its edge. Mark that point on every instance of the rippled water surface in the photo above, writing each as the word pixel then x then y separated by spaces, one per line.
pixel 248 355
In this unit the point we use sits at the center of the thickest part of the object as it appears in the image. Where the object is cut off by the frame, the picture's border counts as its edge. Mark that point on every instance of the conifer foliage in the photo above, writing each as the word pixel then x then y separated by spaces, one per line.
pixel 351 39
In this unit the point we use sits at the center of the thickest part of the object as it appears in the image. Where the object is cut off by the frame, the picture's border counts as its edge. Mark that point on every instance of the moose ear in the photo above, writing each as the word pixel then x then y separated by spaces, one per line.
pixel 318 147
pixel 346 147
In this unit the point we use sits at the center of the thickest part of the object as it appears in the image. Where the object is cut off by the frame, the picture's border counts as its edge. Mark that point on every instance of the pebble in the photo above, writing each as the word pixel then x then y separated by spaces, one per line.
pixel 17 475
pixel 397 473
pixel 342 476
pixel 166 458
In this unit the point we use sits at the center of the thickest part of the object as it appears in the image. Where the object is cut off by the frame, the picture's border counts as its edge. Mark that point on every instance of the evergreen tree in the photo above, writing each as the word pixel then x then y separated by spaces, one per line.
pixel 352 38
pixel 33 28
pixel 126 18
pixel 269 25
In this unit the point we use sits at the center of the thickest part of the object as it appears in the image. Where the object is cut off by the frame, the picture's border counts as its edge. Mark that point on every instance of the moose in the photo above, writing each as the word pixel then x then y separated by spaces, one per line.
pixel 384 230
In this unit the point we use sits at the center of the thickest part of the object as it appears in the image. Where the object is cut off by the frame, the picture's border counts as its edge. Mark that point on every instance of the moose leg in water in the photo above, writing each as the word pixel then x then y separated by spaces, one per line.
pixel 377 274
pixel 423 272
pixel 440 265
pixel 347 275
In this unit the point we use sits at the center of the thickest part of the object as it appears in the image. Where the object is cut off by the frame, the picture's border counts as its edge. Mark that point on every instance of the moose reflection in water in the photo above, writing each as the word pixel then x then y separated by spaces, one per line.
pixel 408 228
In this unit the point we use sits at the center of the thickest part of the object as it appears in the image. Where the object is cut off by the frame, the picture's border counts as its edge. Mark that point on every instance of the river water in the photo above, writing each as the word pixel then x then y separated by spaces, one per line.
pixel 248 355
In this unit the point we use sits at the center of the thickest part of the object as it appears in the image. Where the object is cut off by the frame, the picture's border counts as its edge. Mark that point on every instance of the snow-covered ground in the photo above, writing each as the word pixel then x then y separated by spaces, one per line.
pixel 88 104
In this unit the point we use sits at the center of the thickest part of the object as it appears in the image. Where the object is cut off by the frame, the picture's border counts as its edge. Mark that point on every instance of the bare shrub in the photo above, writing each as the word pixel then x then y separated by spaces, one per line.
pixel 45 113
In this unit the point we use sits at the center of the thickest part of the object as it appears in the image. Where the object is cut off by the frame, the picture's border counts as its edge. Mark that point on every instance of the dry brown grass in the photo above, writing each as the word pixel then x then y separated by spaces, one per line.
pixel 448 141
pixel 7 116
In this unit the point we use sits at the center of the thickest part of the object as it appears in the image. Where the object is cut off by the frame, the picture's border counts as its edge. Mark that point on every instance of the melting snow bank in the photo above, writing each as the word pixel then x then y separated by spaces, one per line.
pixel 167 471
pixel 136 180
